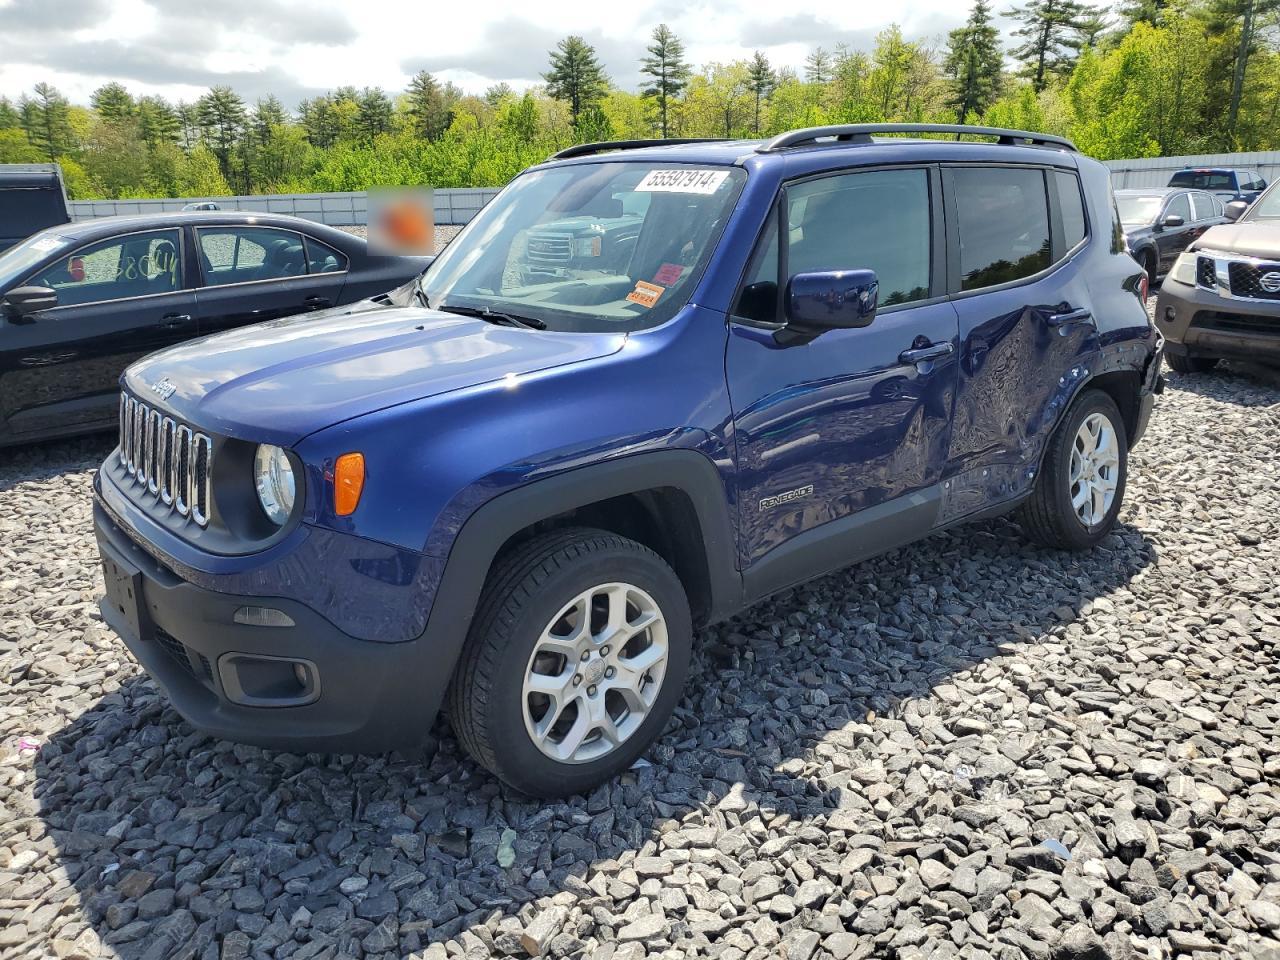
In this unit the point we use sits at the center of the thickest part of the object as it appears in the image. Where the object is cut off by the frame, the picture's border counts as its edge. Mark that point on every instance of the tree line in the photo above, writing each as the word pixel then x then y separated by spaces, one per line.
pixel 1157 78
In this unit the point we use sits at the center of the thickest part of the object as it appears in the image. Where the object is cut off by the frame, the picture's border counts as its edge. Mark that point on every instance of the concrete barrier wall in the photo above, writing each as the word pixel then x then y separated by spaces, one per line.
pixel 1156 171
pixel 453 206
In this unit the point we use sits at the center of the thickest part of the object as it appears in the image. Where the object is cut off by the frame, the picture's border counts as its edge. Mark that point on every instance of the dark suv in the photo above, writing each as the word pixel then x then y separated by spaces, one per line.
pixel 522 497
pixel 1225 183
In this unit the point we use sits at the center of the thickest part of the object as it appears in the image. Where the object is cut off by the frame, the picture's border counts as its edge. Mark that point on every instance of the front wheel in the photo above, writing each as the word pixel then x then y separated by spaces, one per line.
pixel 1184 364
pixel 575 660
pixel 1078 494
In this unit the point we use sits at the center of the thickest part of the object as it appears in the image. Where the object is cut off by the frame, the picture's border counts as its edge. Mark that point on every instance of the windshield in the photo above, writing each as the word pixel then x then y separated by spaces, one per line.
pixel 1138 210
pixel 589 247
pixel 1203 180
pixel 1266 207
pixel 20 259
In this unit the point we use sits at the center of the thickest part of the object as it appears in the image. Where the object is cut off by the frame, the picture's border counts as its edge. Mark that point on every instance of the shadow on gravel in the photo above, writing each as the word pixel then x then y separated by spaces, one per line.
pixel 179 845
pixel 38 461
pixel 1224 383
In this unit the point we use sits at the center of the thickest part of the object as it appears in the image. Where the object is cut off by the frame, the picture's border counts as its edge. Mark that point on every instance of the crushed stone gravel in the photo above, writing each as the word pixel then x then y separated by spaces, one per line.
pixel 970 747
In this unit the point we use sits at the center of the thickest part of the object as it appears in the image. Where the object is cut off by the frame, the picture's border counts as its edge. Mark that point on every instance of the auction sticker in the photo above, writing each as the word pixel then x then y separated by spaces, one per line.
pixel 668 274
pixel 645 294
pixel 682 181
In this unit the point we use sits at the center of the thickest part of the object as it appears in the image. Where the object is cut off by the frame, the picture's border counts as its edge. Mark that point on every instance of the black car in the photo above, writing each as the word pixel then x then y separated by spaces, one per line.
pixel 1225 183
pixel 80 302
pixel 1160 222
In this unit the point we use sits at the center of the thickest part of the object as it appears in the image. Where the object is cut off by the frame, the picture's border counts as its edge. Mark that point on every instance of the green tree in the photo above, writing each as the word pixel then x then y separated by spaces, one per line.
pixel 666 66
pixel 157 121
pixel 817 66
pixel 222 117
pixel 188 124
pixel 761 79
pixel 374 112
pixel 974 63
pixel 319 121
pixel 10 118
pixel 113 102
pixel 519 118
pixel 576 76
pixel 1049 37
pixel 496 93
pixel 46 117
pixel 429 106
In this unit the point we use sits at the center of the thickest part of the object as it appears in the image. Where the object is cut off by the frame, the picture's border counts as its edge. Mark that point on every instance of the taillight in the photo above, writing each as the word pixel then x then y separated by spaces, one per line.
pixel 1144 288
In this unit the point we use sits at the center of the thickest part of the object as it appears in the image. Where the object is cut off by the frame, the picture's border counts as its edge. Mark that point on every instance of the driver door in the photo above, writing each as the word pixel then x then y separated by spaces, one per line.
pixel 841 440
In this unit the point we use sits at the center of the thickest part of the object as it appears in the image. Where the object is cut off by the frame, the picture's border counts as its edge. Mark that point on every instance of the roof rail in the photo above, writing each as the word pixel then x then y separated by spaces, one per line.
pixel 588 149
pixel 862 133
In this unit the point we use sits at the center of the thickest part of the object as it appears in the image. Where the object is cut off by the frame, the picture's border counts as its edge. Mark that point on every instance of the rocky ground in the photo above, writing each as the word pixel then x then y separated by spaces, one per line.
pixel 970 747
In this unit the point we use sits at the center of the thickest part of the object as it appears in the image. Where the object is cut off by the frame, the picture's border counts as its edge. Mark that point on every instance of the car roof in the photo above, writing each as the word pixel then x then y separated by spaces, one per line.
pixel 99 228
pixel 1155 191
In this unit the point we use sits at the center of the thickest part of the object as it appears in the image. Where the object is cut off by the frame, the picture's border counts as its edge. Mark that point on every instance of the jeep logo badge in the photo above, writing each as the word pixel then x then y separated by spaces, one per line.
pixel 163 388
pixel 1270 282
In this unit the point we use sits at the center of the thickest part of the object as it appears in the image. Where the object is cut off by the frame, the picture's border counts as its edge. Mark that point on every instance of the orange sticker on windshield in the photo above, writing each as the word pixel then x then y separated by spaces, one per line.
pixel 645 294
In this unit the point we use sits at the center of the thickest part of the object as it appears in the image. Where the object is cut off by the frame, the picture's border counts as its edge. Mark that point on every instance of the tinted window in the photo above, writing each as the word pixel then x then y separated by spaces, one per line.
pixel 322 258
pixel 1004 224
pixel 1203 180
pixel 1178 206
pixel 877 220
pixel 134 266
pixel 243 254
pixel 1071 208
pixel 1204 205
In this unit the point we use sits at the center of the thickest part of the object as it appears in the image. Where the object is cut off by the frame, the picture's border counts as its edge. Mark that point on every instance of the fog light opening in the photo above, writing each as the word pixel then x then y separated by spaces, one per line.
pixel 255 680
pixel 263 617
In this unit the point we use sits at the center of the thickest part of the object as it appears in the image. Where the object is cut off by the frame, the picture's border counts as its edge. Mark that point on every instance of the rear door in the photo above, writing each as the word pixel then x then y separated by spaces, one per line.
pixel 1020 288
pixel 118 299
pixel 1173 238
pixel 255 273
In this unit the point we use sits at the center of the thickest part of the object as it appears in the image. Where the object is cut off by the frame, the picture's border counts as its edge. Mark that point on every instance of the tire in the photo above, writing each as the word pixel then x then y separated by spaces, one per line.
pixel 526 620
pixel 1049 516
pixel 1151 264
pixel 1189 364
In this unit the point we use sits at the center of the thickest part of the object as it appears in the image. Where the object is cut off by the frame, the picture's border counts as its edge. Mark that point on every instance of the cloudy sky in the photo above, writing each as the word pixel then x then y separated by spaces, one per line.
pixel 295 48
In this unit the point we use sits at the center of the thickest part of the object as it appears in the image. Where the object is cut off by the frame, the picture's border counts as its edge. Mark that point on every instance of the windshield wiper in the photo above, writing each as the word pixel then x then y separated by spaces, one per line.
pixel 494 316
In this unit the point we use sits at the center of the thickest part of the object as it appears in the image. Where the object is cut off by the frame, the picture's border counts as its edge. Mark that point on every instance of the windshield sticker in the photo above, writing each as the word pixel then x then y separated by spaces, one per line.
pixel 668 274
pixel 47 243
pixel 682 181
pixel 645 294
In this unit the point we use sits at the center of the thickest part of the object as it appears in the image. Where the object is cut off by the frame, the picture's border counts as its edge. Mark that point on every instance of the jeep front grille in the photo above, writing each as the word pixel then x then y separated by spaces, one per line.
pixel 167 461
pixel 550 247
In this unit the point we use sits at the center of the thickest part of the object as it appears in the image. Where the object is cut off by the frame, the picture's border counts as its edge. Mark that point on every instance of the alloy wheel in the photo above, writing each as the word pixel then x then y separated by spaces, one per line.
pixel 1094 469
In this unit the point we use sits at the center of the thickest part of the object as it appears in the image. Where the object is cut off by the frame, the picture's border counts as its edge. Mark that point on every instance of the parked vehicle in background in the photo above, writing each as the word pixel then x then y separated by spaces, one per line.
pixel 1222 298
pixel 80 302
pixel 201 205
pixel 31 198
pixel 1160 222
pixel 1225 183
pixel 522 496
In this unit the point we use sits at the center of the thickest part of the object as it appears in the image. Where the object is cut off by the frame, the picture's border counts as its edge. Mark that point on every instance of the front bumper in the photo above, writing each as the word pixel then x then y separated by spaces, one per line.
pixel 1199 323
pixel 231 679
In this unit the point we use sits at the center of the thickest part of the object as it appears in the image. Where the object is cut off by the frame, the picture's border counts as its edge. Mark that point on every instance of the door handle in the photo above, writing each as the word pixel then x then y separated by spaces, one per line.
pixel 173 321
pixel 934 351
pixel 1083 315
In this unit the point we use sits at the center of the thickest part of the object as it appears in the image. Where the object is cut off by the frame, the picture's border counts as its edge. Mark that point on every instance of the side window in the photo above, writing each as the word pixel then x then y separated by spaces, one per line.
pixel 136 265
pixel 1003 219
pixel 878 220
pixel 1179 207
pixel 322 258
pixel 758 299
pixel 1204 206
pixel 1070 208
pixel 243 254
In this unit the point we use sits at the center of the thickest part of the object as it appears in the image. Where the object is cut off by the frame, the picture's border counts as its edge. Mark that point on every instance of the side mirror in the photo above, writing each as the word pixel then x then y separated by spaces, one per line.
pixel 21 302
pixel 1173 220
pixel 831 300
pixel 1235 210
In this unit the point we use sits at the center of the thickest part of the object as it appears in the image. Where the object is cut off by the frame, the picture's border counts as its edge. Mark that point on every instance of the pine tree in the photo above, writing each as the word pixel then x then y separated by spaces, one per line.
pixel 666 65
pixel 157 121
pixel 761 79
pixel 576 76
pixel 188 124
pixel 222 116
pixel 10 119
pixel 113 102
pixel 430 106
pixel 1049 37
pixel 46 118
pixel 1090 26
pixel 1143 11
pixel 373 116
pixel 268 116
pixel 817 66
pixel 974 63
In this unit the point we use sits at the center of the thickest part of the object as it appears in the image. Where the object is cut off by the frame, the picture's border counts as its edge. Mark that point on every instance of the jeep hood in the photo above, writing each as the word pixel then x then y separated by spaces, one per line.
pixel 1253 238
pixel 279 381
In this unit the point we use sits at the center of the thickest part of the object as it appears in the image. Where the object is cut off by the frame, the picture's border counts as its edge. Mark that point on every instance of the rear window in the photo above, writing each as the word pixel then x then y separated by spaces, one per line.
pixel 1205 206
pixel 1203 180
pixel 1070 207
pixel 1003 215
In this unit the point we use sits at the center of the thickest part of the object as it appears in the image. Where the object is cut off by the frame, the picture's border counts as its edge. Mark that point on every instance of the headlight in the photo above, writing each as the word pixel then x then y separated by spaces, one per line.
pixel 276 485
pixel 1184 270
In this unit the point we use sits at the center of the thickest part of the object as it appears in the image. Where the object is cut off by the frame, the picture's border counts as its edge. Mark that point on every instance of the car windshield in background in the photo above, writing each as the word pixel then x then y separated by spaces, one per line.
pixel 589 247
pixel 1266 207
pixel 1135 211
pixel 1203 180
pixel 18 260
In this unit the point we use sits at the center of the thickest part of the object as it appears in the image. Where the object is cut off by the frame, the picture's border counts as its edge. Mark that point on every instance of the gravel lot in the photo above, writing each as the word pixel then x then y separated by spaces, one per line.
pixel 969 748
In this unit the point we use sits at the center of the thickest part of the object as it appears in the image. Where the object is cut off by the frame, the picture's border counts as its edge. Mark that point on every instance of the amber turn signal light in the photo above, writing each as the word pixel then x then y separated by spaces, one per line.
pixel 348 483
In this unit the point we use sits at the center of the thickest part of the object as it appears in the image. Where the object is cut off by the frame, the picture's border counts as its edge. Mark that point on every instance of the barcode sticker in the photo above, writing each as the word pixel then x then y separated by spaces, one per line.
pixel 682 181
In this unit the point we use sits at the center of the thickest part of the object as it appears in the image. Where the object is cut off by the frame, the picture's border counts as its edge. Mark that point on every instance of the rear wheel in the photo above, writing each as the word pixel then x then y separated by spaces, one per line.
pixel 1152 266
pixel 575 660
pixel 1078 494
pixel 1184 364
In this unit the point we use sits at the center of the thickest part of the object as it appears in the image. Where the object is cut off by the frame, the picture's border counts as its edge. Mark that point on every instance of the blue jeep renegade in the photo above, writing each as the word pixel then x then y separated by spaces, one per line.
pixel 517 485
